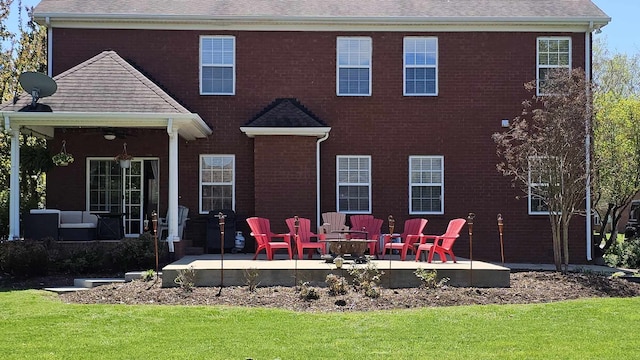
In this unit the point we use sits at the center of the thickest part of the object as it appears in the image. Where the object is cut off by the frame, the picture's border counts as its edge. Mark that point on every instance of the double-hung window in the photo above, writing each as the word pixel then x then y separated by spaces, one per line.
pixel 217 182
pixel 217 65
pixel 420 66
pixel 539 177
pixel 426 185
pixel 353 184
pixel 353 66
pixel 553 53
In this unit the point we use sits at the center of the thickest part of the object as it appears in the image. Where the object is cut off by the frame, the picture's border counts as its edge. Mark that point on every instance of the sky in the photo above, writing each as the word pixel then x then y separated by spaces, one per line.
pixel 622 34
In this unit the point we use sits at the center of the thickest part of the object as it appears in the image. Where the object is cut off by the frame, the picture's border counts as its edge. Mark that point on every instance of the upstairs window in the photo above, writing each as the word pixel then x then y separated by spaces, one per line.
pixel 217 182
pixel 354 66
pixel 553 53
pixel 420 66
pixel 426 185
pixel 354 184
pixel 217 65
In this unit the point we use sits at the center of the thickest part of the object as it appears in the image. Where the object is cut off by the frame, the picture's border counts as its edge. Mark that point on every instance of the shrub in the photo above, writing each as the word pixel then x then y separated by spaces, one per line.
pixel 186 279
pixel 136 253
pixel 251 278
pixel 308 292
pixel 148 275
pixel 337 285
pixel 366 279
pixel 429 278
pixel 625 254
pixel 23 258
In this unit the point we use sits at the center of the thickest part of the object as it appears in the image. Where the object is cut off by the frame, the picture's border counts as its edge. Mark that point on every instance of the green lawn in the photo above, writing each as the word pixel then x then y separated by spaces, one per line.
pixel 36 325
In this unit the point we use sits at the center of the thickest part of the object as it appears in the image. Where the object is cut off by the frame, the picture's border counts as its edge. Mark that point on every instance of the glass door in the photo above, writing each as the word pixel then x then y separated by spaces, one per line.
pixel 132 204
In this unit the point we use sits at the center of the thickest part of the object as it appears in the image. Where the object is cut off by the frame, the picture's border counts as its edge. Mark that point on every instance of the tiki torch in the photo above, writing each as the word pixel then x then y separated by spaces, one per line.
pixel 221 217
pixel 392 225
pixel 296 227
pixel 154 222
pixel 500 228
pixel 470 218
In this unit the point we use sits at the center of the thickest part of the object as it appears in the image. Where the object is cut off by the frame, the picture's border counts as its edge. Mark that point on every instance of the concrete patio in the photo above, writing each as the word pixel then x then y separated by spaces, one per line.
pixel 284 272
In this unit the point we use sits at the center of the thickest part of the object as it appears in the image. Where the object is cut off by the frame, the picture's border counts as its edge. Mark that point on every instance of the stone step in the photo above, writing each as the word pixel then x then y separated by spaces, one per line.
pixel 136 275
pixel 90 283
pixel 65 289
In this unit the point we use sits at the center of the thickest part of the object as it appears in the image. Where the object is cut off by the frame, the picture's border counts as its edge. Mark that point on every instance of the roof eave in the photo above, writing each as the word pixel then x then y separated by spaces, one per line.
pixel 252 131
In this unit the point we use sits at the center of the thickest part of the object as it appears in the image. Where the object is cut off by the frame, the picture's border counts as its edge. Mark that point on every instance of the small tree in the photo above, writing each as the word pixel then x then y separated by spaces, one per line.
pixel 544 152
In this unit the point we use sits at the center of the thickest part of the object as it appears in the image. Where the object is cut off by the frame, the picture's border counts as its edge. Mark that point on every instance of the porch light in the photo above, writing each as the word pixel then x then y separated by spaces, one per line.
pixel 109 136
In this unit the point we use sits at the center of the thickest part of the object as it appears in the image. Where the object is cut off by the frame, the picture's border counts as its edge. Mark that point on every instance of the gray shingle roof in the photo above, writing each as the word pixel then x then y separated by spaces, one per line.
pixel 104 83
pixel 428 10
pixel 286 113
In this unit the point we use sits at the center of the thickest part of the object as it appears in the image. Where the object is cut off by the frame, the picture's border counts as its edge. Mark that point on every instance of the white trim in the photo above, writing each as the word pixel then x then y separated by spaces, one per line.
pixel 587 143
pixel 338 183
pixel 319 23
pixel 218 65
pixel 189 126
pixel 440 184
pixel 200 182
pixel 419 66
pixel 538 66
pixel 369 66
pixel 251 131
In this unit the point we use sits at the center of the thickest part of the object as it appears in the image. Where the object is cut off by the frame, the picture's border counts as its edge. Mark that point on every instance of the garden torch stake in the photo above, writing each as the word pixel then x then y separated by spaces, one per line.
pixel 154 221
pixel 500 227
pixel 470 223
pixel 296 226
pixel 392 225
pixel 221 217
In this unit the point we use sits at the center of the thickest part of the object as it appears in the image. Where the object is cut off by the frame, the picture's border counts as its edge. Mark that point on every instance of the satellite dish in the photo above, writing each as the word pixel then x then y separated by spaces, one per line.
pixel 38 85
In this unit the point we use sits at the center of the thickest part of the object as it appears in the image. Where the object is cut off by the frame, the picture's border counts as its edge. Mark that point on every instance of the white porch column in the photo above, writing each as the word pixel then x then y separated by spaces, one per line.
pixel 14 184
pixel 172 213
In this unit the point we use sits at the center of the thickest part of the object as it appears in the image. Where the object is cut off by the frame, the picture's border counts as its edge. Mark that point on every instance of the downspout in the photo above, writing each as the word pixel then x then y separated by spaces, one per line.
pixel 587 139
pixel 318 215
pixel 49 47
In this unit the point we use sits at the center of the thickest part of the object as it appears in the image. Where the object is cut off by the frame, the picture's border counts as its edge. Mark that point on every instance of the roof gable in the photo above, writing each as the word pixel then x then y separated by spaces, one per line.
pixel 105 83
pixel 285 113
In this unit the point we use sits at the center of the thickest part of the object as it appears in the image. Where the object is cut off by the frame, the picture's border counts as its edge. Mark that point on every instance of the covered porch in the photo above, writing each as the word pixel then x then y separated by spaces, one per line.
pixel 105 95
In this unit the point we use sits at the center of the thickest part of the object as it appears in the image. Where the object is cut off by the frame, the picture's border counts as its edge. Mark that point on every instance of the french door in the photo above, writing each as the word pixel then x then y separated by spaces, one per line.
pixel 130 191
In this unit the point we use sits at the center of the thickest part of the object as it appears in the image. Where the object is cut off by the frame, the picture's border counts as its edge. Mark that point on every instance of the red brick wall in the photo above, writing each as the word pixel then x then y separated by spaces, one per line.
pixel 481 78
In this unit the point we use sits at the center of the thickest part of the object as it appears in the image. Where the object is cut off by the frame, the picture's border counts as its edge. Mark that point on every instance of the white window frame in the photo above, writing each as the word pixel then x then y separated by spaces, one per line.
pixel 353 66
pixel 217 65
pixel 418 66
pixel 202 183
pixel 531 193
pixel 367 183
pixel 413 184
pixel 548 66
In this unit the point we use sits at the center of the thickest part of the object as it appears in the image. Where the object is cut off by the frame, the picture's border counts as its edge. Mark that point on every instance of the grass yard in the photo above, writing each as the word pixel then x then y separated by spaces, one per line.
pixel 36 325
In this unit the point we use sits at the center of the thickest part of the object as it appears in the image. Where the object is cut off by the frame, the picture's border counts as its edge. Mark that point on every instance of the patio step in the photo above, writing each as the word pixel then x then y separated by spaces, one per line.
pixel 91 283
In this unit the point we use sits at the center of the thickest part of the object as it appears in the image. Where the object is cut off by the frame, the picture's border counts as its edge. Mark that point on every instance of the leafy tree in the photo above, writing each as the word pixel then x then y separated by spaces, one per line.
pixel 616 132
pixel 544 148
pixel 25 51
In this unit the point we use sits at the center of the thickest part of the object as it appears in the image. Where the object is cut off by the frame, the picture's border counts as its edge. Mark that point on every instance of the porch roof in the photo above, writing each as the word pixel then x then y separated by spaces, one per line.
pixel 104 91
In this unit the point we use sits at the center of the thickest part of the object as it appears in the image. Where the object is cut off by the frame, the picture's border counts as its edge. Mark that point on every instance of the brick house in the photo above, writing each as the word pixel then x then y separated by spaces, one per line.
pixel 282 108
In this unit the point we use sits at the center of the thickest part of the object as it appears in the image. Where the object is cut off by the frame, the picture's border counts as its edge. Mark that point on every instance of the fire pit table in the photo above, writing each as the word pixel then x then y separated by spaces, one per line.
pixel 346 248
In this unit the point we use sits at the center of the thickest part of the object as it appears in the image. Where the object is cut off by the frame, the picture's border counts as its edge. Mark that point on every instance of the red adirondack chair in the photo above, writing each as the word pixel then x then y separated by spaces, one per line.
pixel 442 244
pixel 303 240
pixel 369 224
pixel 261 230
pixel 412 232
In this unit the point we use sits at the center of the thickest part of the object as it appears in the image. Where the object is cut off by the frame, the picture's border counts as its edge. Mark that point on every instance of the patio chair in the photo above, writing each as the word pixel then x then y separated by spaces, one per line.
pixel 369 224
pixel 412 233
pixel 333 221
pixel 261 231
pixel 303 240
pixel 442 244
pixel 163 223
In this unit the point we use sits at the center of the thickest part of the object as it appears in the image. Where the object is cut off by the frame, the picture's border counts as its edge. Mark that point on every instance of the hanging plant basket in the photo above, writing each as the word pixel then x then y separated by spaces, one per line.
pixel 124 158
pixel 63 158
